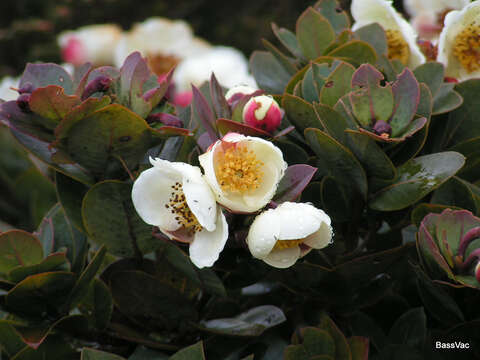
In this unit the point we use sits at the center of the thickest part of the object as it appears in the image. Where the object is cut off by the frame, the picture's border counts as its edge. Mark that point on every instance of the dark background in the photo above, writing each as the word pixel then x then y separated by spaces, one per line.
pixel 28 28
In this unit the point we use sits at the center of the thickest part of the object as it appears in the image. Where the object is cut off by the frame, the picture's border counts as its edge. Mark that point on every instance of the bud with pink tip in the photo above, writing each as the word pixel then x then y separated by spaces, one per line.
pixel 262 112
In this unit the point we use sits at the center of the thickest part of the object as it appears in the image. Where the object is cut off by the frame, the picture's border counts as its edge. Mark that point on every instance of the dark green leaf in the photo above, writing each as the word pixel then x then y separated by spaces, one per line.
pixel 300 113
pixel 40 75
pixel 410 328
pixel 269 74
pixel 288 39
pixel 355 52
pixel 70 193
pixel 416 179
pixel 92 354
pixel 19 248
pixel 314 33
pixel 375 36
pixel 332 11
pixel 53 262
pixel 193 352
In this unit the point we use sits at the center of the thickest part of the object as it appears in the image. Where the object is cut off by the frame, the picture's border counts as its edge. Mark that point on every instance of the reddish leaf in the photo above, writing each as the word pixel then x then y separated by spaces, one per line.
pixel 296 178
pixel 52 103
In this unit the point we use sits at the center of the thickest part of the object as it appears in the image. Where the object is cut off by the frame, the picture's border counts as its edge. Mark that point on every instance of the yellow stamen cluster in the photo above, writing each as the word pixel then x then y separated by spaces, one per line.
pixel 178 206
pixel 239 170
pixel 161 64
pixel 287 244
pixel 397 46
pixel 467 48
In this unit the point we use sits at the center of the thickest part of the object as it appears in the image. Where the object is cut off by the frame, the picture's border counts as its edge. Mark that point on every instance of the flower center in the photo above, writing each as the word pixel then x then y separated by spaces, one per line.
pixel 467 48
pixel 239 170
pixel 397 46
pixel 161 64
pixel 178 206
pixel 287 244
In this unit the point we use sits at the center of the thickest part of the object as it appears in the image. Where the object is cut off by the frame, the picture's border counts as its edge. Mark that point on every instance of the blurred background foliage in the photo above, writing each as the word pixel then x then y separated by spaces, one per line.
pixel 28 28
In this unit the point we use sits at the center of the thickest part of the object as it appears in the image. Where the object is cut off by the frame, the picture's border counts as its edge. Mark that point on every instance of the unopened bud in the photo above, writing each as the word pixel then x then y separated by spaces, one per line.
pixel 477 272
pixel 237 92
pixel 262 112
pixel 381 128
pixel 99 84
pixel 23 102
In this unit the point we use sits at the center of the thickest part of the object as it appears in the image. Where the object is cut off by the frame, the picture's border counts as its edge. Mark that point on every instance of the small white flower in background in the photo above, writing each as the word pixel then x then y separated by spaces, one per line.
pixel 6 93
pixel 281 236
pixel 175 197
pixel 229 65
pixel 243 171
pixel 401 37
pixel 92 43
pixel 427 16
pixel 459 43
pixel 238 91
pixel 162 41
pixel 262 112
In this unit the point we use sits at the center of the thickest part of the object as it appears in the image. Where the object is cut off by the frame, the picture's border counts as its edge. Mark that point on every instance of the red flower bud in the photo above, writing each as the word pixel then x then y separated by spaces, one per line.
pixel 262 112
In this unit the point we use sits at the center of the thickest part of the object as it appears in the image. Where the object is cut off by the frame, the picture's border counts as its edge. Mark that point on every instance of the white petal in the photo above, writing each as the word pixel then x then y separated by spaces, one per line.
pixel 298 220
pixel 283 258
pixel 150 193
pixel 207 164
pixel 198 195
pixel 263 234
pixel 207 246
pixel 321 238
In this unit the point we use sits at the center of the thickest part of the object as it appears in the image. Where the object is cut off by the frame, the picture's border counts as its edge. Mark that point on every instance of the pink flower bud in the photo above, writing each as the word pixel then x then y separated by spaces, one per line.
pixel 74 52
pixel 477 272
pixel 262 112
pixel 183 98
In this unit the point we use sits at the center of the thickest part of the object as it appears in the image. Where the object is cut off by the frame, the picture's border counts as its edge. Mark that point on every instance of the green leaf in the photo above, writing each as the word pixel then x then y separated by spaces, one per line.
pixel 410 328
pixel 225 126
pixel 432 74
pixel 376 163
pixel 41 75
pixel 334 123
pixel 317 342
pixel 269 74
pixel 310 89
pixel 86 277
pixel 458 193
pixel 65 235
pixel 446 99
pixel 52 103
pixel 406 93
pixel 53 262
pixel 437 301
pixel 375 36
pixel 10 341
pixel 43 151
pixel 97 305
pixel 356 52
pixel 193 352
pixel 287 62
pixel 288 39
pixel 110 219
pixel 462 122
pixel 41 293
pixel 314 33
pixel 92 354
pixel 471 150
pixel 417 178
pixel 149 301
pixel 337 161
pixel 19 248
pixel 359 346
pixel 423 209
pixel 300 113
pixel 365 326
pixel 332 11
pixel 337 84
pixel 335 200
pixel 119 134
pixel 144 353
pixel 70 193
pixel 250 323
pixel 342 350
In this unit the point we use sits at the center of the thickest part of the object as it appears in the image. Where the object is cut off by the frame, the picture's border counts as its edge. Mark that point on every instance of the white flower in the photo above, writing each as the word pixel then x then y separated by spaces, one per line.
pixel 427 15
pixel 162 41
pixel 175 197
pixel 229 65
pixel 459 43
pixel 6 93
pixel 243 171
pixel 401 37
pixel 93 43
pixel 281 236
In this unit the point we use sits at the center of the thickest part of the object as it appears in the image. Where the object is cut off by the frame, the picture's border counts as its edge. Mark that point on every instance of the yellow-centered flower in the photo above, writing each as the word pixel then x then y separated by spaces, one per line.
pixel 175 197
pixel 459 43
pixel 401 37
pixel 243 171
pixel 281 236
